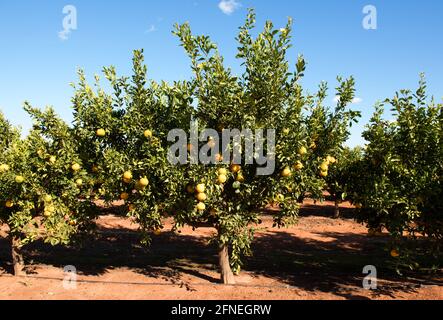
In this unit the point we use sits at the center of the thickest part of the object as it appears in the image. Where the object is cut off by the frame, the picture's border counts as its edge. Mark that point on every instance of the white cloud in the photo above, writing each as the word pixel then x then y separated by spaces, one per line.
pixel 152 28
pixel 354 101
pixel 229 6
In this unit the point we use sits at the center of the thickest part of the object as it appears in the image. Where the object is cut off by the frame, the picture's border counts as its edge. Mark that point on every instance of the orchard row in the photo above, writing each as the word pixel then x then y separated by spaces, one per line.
pixel 117 149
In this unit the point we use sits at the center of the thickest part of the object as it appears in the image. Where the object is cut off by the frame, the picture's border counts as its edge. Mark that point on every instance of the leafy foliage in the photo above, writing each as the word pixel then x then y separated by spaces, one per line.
pixel 401 183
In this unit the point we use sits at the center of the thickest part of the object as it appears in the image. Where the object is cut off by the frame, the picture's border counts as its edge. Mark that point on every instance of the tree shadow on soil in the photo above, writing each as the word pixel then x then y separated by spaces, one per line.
pixel 325 210
pixel 312 265
pixel 329 266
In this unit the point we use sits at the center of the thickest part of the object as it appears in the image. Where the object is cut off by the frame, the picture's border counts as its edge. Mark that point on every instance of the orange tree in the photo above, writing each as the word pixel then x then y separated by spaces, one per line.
pixel 400 187
pixel 41 184
pixel 342 175
pixel 228 193
pixel 123 140
pixel 328 129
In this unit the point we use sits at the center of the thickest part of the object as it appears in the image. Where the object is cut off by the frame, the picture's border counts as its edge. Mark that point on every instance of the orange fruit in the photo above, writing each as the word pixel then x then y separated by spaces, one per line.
pixel 148 134
pixel 286 172
pixel 324 166
pixel 395 253
pixel 222 179
pixel 298 166
pixel 201 206
pixel 144 182
pixel 201 197
pixel 235 168
pixel 240 177
pixel 19 179
pixel 101 133
pixel 127 175
pixel 201 188
pixel 302 151
pixel 4 168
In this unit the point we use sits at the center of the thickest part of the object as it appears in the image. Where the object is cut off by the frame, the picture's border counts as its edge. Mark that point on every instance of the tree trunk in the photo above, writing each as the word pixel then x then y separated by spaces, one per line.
pixel 337 209
pixel 227 277
pixel 17 257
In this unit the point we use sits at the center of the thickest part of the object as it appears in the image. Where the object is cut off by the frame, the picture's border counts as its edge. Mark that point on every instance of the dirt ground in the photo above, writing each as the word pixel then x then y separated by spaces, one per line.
pixel 320 258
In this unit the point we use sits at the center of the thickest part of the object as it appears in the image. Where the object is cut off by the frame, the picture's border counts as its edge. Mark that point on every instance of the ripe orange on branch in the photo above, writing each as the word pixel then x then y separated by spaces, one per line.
pixel 19 179
pixel 201 188
pixel 286 172
pixel 240 177
pixel 395 253
pixel 235 168
pixel 148 134
pixel 143 182
pixel 201 206
pixel 4 168
pixel 222 178
pixel 302 151
pixel 101 133
pixel 76 167
pixel 324 166
pixel 201 197
pixel 298 166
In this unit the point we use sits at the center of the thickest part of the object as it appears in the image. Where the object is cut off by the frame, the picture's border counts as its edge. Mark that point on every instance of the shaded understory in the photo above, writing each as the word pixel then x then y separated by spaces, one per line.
pixel 312 265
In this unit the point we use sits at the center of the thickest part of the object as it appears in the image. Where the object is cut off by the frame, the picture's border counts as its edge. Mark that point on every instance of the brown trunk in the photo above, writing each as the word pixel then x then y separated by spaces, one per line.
pixel 17 257
pixel 227 277
pixel 337 209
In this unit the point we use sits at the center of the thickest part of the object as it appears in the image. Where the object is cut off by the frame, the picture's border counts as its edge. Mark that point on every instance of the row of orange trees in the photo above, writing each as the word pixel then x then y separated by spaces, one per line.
pixel 396 180
pixel 118 149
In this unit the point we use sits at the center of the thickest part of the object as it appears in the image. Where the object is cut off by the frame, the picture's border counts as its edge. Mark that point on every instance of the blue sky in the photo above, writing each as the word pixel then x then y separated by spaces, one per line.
pixel 36 65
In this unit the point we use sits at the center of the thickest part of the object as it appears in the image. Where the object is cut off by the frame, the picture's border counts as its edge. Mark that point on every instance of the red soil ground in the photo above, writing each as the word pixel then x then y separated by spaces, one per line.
pixel 320 258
